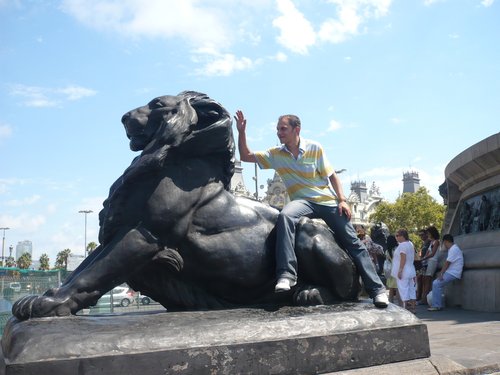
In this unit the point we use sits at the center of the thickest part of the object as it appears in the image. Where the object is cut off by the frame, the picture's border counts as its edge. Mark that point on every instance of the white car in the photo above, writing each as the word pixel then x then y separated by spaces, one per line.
pixel 16 287
pixel 122 296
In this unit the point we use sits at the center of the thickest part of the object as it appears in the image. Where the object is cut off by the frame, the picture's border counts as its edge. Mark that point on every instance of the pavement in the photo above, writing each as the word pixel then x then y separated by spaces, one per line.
pixel 462 342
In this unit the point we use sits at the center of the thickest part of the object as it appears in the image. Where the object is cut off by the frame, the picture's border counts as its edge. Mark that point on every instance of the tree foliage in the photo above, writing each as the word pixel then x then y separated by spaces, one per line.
pixel 62 259
pixel 24 261
pixel 91 246
pixel 10 262
pixel 411 211
pixel 44 262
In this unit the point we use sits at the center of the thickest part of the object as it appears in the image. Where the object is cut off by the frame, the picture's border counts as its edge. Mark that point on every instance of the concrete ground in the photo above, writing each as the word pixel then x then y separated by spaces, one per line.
pixel 462 342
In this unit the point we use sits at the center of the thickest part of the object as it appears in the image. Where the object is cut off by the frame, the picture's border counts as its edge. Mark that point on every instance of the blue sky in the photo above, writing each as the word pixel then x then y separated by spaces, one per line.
pixel 385 85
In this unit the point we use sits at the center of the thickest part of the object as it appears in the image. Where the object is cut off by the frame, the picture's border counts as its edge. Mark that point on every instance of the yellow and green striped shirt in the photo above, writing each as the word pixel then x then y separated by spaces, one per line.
pixel 305 177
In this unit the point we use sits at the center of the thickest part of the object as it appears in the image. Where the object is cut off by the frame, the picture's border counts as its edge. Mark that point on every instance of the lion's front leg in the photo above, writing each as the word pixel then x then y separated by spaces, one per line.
pixel 124 255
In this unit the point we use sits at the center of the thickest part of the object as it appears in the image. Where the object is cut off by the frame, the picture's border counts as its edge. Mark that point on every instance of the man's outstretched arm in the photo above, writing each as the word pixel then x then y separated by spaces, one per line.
pixel 245 153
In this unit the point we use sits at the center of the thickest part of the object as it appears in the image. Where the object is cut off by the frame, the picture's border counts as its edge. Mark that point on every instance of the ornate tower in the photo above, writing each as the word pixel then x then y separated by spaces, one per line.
pixel 359 188
pixel 411 182
pixel 237 182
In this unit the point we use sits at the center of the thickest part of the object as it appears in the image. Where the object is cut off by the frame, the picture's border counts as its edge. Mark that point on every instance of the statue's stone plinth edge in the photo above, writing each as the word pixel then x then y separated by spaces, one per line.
pixel 288 340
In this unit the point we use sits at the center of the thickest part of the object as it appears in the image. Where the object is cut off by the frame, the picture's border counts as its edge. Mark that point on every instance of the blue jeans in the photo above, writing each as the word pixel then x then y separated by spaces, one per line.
pixel 437 289
pixel 345 235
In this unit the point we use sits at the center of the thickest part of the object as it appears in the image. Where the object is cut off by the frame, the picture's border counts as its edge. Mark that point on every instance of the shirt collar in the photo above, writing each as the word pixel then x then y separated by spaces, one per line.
pixel 302 146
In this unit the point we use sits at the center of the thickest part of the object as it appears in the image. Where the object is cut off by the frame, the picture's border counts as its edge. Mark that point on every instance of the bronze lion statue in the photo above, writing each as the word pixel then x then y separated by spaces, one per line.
pixel 172 230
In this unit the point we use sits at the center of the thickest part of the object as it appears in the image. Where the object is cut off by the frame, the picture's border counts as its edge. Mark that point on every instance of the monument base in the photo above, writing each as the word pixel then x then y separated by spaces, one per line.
pixel 291 340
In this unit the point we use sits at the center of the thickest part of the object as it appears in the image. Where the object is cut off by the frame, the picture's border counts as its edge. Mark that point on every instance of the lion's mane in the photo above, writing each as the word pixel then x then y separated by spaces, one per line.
pixel 199 128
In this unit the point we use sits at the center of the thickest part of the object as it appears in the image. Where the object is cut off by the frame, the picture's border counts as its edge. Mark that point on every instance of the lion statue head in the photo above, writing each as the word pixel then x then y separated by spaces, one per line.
pixel 187 125
pixel 168 130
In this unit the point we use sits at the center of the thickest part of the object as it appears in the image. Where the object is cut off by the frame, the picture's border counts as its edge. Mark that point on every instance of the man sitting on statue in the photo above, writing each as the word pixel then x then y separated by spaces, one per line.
pixel 307 175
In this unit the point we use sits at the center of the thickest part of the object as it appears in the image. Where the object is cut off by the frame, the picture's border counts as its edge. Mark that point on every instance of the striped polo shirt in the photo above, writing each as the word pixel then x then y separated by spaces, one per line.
pixel 305 177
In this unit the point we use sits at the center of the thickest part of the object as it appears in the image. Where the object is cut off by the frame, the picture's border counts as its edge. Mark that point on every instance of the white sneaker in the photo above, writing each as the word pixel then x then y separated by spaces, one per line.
pixel 381 300
pixel 284 284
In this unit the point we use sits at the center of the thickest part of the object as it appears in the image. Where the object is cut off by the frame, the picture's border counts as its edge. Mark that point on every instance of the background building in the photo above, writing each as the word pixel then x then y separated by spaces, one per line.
pixel 363 202
pixel 237 185
pixel 411 182
pixel 24 247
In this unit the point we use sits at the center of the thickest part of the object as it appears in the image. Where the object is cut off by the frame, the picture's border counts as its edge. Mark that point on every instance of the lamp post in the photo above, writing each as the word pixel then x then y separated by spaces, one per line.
pixel 85 212
pixel 3 244
pixel 256 183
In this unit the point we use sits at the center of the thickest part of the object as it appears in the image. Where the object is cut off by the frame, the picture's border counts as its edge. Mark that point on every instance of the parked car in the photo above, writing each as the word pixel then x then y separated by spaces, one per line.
pixel 15 286
pixel 145 300
pixel 122 296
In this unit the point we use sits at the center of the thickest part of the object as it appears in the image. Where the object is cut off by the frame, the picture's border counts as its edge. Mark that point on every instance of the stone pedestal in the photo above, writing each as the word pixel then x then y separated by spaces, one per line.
pixel 474 175
pixel 288 340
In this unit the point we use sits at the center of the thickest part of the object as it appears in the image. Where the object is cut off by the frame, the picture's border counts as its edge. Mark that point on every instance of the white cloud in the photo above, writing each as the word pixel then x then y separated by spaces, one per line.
pixel 334 125
pixel 351 14
pixel 218 64
pixel 281 57
pixel 296 32
pixel 76 92
pixel 201 25
pixel 35 96
pixel 5 131
pixel 487 3
pixel 396 120
pixel 211 25
pixel 24 223
pixel 338 30
pixel 24 202
pixel 430 2
pixel 298 35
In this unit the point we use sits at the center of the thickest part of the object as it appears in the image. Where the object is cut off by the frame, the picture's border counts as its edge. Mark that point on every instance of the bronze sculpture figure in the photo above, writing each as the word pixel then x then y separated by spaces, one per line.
pixel 171 229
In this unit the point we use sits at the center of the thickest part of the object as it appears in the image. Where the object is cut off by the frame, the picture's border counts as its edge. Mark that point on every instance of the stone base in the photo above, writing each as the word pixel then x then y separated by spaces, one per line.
pixel 291 340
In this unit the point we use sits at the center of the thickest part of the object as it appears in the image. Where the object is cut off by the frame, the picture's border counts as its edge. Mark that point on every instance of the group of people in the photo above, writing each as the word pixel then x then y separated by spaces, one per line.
pixel 315 191
pixel 413 286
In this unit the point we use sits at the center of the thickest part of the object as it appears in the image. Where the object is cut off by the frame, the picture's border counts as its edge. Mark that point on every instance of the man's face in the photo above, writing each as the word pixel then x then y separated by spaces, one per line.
pixel 286 133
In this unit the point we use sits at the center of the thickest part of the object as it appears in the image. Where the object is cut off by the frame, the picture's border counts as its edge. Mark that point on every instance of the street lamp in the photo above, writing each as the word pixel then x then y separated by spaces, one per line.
pixel 85 212
pixel 256 183
pixel 3 244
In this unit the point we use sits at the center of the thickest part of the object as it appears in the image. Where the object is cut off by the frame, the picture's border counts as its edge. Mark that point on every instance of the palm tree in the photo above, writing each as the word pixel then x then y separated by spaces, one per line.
pixel 44 262
pixel 91 247
pixel 24 261
pixel 10 262
pixel 62 259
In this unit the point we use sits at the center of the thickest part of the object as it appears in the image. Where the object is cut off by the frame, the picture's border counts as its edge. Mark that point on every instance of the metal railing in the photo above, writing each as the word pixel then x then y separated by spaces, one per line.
pixel 16 283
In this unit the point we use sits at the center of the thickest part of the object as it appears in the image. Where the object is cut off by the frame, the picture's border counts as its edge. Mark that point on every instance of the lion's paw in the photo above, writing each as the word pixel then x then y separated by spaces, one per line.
pixel 40 306
pixel 309 296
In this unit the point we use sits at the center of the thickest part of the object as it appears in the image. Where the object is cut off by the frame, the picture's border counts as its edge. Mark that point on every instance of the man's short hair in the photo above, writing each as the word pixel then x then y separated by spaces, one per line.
pixel 293 120
pixel 448 237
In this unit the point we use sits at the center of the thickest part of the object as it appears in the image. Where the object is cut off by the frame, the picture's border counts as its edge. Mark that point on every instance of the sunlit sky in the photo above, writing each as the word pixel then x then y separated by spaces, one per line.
pixel 386 86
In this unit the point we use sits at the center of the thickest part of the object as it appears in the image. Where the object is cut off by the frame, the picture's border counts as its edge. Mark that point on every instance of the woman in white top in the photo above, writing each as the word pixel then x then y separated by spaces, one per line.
pixel 403 270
